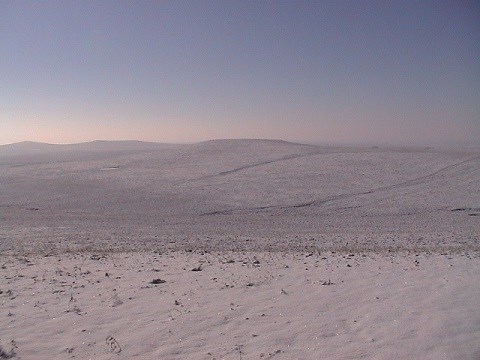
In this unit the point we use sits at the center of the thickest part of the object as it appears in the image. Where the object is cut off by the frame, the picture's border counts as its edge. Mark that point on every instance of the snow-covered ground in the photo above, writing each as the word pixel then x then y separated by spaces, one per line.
pixel 302 252
pixel 236 194
pixel 241 306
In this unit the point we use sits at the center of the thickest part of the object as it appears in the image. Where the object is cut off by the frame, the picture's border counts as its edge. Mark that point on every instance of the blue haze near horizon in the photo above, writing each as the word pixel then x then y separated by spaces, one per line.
pixel 324 72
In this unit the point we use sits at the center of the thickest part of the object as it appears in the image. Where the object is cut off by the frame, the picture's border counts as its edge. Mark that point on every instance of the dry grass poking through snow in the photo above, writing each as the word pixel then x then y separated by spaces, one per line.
pixel 238 249
pixel 241 305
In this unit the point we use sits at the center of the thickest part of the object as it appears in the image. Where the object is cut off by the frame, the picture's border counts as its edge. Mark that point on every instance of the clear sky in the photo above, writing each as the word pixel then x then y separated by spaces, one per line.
pixel 320 71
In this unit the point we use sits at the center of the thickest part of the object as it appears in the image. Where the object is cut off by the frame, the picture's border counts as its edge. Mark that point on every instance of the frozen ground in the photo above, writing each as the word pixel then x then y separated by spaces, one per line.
pixel 241 306
pixel 256 249
pixel 236 194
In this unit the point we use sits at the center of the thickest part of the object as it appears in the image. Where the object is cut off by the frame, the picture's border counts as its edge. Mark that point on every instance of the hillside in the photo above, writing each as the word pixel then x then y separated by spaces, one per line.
pixel 247 194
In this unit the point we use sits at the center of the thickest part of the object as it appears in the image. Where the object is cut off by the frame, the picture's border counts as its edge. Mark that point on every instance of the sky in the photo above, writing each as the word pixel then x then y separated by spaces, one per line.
pixel 384 72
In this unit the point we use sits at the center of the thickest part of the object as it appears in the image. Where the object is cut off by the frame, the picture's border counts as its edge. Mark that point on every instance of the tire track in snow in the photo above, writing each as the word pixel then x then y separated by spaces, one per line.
pixel 261 163
pixel 407 183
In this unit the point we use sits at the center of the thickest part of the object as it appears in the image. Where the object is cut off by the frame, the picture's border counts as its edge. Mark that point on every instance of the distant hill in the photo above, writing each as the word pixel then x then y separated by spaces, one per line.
pixel 36 148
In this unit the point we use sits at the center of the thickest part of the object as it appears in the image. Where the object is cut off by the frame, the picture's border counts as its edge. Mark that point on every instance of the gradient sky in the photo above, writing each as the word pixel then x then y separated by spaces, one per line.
pixel 321 71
